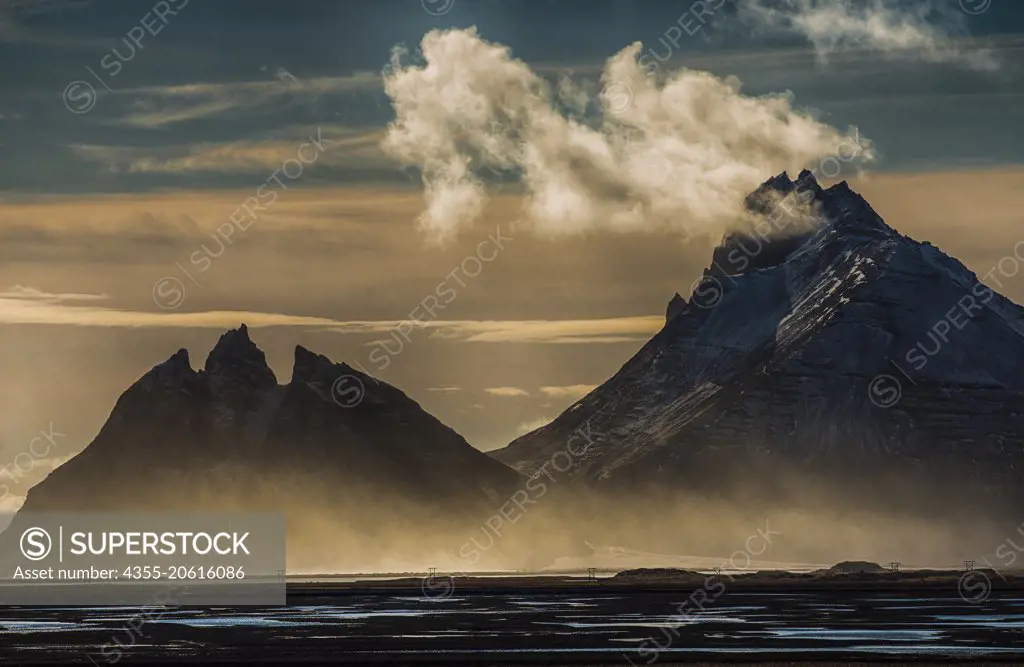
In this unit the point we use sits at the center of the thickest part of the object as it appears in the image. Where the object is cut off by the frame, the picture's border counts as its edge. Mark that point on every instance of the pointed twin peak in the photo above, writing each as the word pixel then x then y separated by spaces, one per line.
pixel 766 196
pixel 805 180
pixel 308 364
pixel 236 360
pixel 792 224
pixel 231 342
pixel 236 356
pixel 786 205
pixel 234 343
pixel 176 371
pixel 180 360
pixel 839 204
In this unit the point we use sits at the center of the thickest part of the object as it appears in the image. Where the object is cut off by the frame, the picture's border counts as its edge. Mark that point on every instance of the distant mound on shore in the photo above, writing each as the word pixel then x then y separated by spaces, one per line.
pixel 856 567
pixel 657 573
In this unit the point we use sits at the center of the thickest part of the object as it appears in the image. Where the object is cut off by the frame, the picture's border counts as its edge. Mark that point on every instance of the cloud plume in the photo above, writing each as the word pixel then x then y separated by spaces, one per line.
pixel 678 151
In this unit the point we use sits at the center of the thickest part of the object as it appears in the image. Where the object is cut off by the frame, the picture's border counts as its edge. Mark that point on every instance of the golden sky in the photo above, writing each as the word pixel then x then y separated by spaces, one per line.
pixel 336 269
pixel 111 203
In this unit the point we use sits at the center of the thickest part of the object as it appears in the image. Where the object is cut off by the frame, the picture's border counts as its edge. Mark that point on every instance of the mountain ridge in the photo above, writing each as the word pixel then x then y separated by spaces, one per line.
pixel 775 359
pixel 332 447
pixel 782 378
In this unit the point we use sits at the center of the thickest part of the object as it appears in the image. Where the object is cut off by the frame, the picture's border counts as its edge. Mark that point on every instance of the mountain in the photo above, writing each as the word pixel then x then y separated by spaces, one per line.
pixel 821 346
pixel 333 448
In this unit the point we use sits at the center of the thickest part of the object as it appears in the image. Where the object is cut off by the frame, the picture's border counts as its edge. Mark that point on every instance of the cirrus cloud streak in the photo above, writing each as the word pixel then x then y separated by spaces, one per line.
pixel 27 305
pixel 920 29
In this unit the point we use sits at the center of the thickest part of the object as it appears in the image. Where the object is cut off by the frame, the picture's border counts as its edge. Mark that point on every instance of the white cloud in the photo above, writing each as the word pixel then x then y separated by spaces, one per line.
pixel 33 294
pixel 607 330
pixel 162 106
pixel 27 305
pixel 444 389
pixel 570 391
pixel 678 153
pixel 342 146
pixel 919 30
pixel 507 392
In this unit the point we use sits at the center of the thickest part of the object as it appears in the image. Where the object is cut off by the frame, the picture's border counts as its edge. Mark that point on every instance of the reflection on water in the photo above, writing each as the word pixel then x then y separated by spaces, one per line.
pixel 235 622
pixel 831 634
pixel 624 625
pixel 18 627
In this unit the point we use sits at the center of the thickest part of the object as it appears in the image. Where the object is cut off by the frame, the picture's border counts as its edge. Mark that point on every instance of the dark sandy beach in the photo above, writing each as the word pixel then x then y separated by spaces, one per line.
pixel 766 619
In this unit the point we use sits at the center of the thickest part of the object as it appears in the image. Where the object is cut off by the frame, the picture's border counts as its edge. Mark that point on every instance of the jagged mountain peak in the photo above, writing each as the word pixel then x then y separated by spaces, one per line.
pixel 780 352
pixel 676 305
pixel 849 214
pixel 805 180
pixel 785 224
pixel 765 198
pixel 344 383
pixel 176 370
pixel 181 439
pixel 236 356
pixel 308 364
pixel 766 194
pixel 180 359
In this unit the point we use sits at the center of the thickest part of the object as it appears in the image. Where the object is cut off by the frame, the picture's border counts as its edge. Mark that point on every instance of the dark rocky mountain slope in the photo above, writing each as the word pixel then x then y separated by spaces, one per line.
pixel 345 456
pixel 841 352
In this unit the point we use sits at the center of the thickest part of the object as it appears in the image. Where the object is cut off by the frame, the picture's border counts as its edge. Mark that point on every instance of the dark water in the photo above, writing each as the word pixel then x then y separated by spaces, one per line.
pixel 613 627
